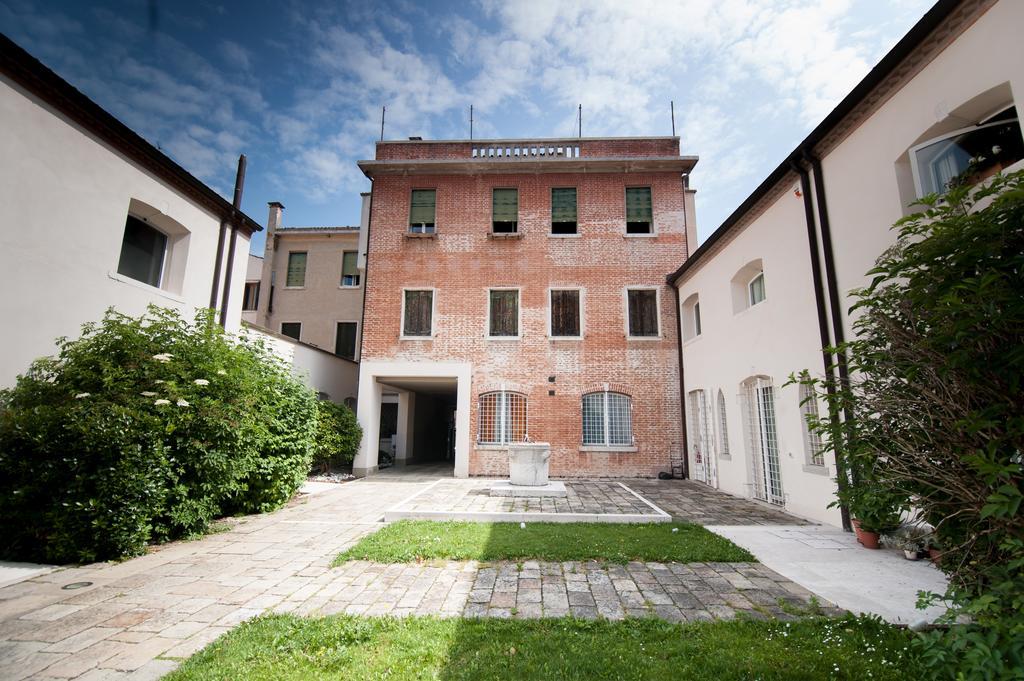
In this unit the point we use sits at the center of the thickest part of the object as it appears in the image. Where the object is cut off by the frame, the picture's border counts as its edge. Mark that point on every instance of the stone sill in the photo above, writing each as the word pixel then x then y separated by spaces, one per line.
pixel 504 235
pixel 610 450
pixel 421 235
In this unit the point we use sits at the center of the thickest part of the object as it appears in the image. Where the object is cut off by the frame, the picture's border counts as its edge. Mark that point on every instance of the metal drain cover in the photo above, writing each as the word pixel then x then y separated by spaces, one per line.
pixel 76 585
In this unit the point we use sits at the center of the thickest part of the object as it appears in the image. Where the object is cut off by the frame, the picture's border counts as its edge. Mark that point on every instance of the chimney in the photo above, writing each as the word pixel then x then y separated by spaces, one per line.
pixel 274 218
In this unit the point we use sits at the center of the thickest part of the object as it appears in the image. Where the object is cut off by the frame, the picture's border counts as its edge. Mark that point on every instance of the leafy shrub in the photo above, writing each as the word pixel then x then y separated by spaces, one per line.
pixel 939 409
pixel 145 430
pixel 338 435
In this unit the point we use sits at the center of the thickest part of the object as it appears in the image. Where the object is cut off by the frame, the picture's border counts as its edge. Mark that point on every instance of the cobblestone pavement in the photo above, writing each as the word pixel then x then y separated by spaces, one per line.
pixel 694 502
pixel 137 619
pixel 472 496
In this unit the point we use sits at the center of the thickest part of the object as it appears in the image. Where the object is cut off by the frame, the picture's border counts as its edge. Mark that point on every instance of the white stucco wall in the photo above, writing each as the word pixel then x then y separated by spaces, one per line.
pixel 774 338
pixel 65 198
pixel 868 163
pixel 325 372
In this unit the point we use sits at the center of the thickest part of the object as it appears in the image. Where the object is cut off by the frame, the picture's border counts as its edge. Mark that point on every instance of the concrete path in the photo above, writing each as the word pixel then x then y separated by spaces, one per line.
pixel 833 565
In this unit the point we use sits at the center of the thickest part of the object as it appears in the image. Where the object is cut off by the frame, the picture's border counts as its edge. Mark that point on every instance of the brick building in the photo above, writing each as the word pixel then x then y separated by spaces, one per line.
pixel 517 292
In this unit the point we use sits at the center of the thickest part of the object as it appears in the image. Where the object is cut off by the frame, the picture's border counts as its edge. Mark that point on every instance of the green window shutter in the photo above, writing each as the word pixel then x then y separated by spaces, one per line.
pixel 424 202
pixel 296 270
pixel 638 204
pixel 348 264
pixel 506 205
pixel 345 341
pixel 563 205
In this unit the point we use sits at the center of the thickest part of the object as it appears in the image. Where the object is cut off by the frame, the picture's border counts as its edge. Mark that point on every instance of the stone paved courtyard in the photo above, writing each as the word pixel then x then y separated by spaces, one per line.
pixel 694 502
pixel 137 619
pixel 470 499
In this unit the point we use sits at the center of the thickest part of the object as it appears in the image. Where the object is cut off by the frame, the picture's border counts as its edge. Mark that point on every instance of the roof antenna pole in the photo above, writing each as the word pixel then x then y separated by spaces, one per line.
pixel 382 110
pixel 579 121
pixel 470 122
pixel 673 105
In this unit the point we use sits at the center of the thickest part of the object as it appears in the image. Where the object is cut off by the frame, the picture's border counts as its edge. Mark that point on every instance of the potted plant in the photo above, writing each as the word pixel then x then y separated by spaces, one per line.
pixel 875 510
pixel 910 539
pixel 933 547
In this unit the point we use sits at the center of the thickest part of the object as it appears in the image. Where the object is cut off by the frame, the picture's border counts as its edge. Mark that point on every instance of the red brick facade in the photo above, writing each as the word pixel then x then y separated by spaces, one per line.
pixel 461 262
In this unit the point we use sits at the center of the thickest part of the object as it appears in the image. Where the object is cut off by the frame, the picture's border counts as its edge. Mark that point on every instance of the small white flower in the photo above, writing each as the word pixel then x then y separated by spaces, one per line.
pixel 996 149
pixel 80 396
pixel 522 526
pixel 675 529
pixel 221 372
pixel 201 381
pixel 163 357
pixel 158 381
pixel 161 402
pixel 182 403
pixel 148 393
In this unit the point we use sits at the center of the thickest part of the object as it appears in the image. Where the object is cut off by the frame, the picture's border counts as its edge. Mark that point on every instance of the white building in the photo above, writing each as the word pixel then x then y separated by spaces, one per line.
pixel 96 217
pixel 761 297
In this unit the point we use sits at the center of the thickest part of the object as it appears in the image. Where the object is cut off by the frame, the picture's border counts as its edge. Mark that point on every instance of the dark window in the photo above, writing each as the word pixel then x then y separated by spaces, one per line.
pixel 419 310
pixel 349 272
pixel 565 313
pixel 291 329
pixel 251 299
pixel 696 319
pixel 421 213
pixel 345 340
pixel 504 313
pixel 563 211
pixel 505 213
pixel 142 252
pixel 638 210
pixel 643 312
pixel 296 270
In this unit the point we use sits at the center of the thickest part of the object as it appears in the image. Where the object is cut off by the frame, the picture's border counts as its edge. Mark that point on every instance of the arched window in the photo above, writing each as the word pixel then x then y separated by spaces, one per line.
pixel 502 418
pixel 748 286
pixel 607 419
pixel 812 441
pixel 723 428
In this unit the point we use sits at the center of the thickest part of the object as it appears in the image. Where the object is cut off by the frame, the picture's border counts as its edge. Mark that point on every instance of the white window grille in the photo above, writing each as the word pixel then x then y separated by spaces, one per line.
pixel 723 428
pixel 607 419
pixel 699 433
pixel 762 439
pixel 812 441
pixel 502 418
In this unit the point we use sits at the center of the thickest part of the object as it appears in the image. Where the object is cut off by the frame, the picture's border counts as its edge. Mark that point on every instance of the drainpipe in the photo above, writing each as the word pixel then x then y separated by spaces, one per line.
pixel 819 299
pixel 240 180
pixel 682 383
pixel 366 282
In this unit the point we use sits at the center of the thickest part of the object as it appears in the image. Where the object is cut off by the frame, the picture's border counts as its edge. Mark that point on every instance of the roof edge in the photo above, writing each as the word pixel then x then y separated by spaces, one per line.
pixel 35 77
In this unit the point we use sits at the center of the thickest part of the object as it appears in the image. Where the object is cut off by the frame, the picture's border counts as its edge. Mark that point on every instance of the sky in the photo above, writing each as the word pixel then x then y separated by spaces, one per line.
pixel 298 85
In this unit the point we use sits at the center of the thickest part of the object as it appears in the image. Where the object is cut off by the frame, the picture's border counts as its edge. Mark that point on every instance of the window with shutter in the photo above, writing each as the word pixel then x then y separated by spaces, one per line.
pixel 422 211
pixel 643 312
pixel 296 270
pixel 563 211
pixel 639 215
pixel 418 313
pixel 565 313
pixel 505 211
pixel 345 340
pixel 504 313
pixel 349 271
pixel 291 329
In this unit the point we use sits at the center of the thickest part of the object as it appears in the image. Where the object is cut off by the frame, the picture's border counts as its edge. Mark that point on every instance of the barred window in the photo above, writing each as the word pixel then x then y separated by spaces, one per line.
pixel 812 441
pixel 502 418
pixel 723 428
pixel 607 419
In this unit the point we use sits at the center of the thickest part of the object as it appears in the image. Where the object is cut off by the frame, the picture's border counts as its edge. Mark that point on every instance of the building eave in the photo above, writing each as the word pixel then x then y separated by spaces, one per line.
pixel 33 76
pixel 476 166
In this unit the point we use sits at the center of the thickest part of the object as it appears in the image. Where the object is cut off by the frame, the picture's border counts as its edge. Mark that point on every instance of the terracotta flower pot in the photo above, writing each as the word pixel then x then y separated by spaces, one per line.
pixel 934 555
pixel 867 539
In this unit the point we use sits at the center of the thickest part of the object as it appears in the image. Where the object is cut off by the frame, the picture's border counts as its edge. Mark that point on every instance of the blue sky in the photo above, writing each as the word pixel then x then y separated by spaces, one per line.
pixel 298 85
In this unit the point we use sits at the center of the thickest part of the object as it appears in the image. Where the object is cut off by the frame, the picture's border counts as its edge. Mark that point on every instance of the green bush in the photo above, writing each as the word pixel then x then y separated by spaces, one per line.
pixel 145 429
pixel 338 435
pixel 938 404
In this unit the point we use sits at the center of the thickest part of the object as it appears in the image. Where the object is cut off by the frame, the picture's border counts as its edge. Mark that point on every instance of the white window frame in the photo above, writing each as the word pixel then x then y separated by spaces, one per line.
pixel 625 221
pixel 750 290
pixel 501 408
pixel 519 312
pixel 814 449
pixel 355 353
pixel 955 133
pixel 165 257
pixel 764 446
pixel 280 329
pixel 605 446
pixel 433 313
pixel 359 275
pixel 722 423
pixel 582 292
pixel 420 228
pixel 625 311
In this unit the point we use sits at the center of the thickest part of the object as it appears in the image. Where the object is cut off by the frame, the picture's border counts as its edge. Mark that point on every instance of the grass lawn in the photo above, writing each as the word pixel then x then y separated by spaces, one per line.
pixel 411 540
pixel 283 647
